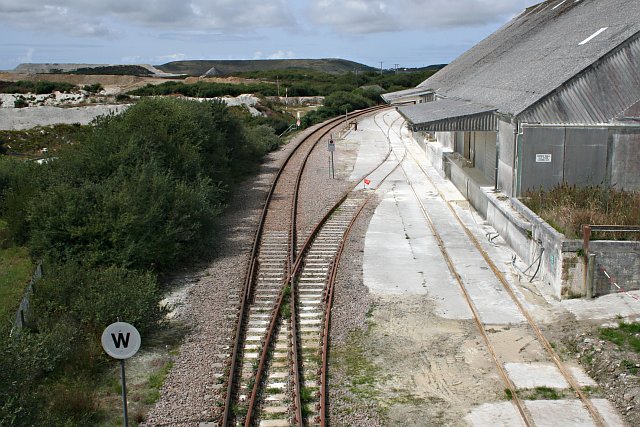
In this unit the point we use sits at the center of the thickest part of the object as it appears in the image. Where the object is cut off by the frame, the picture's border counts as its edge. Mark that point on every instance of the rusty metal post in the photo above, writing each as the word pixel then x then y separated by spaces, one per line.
pixel 591 276
pixel 586 236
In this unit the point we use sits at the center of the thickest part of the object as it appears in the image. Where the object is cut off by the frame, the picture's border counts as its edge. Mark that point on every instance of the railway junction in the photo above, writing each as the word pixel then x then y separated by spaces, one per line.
pixel 431 321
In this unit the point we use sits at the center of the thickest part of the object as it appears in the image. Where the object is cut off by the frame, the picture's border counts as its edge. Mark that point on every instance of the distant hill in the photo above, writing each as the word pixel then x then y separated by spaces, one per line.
pixel 222 68
pixel 435 67
pixel 91 69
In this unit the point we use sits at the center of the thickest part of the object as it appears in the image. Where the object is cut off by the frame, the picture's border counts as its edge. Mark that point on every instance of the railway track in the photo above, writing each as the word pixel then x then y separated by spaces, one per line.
pixel 273 374
pixel 499 276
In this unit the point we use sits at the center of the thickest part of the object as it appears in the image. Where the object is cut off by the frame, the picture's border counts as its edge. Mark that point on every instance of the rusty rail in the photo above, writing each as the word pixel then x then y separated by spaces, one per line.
pixel 249 280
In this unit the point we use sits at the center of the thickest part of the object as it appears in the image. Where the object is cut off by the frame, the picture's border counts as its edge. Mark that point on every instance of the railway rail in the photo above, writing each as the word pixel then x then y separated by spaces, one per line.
pixel 521 408
pixel 282 305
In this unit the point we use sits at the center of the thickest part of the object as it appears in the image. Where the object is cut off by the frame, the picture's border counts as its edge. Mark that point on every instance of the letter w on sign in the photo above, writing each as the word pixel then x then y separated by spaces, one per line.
pixel 120 340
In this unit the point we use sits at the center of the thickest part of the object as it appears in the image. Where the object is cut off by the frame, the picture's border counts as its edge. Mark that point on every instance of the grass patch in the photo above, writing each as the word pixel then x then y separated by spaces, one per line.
pixel 359 368
pixel 590 391
pixel 544 393
pixel 626 335
pixel 508 394
pixel 406 398
pixel 567 208
pixel 16 268
pixel 306 394
pixel 629 366
pixel 155 382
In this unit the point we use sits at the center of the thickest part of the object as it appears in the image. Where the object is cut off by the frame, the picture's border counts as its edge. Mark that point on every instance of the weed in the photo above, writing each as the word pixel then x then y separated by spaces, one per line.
pixel 508 393
pixel 590 390
pixel 625 335
pixel 629 366
pixel 568 207
pixel 370 310
pixel 240 410
pixel 587 359
pixel 546 393
pixel 306 394
pixel 285 310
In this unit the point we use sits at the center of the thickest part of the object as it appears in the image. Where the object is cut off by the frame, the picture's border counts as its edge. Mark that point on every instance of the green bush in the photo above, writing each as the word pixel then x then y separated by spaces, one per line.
pixel 20 103
pixel 93 299
pixel 93 88
pixel 138 195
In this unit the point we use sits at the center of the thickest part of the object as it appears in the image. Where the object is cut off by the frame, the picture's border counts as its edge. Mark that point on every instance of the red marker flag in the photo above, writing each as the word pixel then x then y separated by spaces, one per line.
pixel 367 181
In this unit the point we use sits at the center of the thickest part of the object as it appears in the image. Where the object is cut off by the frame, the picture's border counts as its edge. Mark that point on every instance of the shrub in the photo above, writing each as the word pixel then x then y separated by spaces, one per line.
pixel 20 102
pixel 94 298
pixel 93 88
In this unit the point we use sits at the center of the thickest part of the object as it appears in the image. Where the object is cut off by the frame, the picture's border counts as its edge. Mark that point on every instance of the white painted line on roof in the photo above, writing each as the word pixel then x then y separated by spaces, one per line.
pixel 592 36
pixel 558 5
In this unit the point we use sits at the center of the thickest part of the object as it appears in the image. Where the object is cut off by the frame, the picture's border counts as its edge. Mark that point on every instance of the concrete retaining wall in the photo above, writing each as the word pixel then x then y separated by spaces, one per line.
pixel 621 260
pixel 559 261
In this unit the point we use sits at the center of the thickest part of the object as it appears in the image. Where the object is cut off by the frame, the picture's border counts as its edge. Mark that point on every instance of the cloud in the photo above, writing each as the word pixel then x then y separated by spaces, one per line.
pixel 96 18
pixel 281 54
pixel 374 16
pixel 30 15
pixel 169 58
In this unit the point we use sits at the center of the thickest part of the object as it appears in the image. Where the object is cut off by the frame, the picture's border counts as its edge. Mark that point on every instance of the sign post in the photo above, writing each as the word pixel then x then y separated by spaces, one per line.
pixel 121 340
pixel 331 147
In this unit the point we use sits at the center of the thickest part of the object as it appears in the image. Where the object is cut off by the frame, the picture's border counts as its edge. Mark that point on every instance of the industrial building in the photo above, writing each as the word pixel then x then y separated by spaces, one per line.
pixel 551 97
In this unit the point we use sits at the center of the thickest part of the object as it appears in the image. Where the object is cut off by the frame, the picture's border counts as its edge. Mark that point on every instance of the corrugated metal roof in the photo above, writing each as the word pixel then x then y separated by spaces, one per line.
pixel 395 96
pixel 537 52
pixel 450 115
pixel 598 95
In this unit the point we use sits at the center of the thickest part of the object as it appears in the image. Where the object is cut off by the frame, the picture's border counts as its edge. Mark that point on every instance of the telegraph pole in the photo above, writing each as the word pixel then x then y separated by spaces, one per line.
pixel 380 67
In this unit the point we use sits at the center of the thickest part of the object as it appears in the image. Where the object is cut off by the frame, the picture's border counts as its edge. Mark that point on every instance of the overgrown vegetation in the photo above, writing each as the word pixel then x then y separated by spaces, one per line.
pixel 138 195
pixel 542 393
pixel 568 207
pixel 625 336
pixel 39 87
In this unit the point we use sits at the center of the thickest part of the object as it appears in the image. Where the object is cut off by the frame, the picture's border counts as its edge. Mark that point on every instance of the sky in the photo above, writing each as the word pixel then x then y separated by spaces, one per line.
pixel 410 33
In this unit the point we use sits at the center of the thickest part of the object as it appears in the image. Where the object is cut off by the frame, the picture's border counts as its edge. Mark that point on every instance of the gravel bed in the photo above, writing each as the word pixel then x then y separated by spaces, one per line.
pixel 319 192
pixel 349 313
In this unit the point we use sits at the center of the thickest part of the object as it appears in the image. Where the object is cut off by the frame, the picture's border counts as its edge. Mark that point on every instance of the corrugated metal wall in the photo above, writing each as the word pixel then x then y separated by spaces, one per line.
pixel 596 95
pixel 478 122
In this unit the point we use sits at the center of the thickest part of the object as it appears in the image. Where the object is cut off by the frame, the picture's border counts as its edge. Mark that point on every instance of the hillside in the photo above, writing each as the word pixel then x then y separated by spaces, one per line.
pixel 218 68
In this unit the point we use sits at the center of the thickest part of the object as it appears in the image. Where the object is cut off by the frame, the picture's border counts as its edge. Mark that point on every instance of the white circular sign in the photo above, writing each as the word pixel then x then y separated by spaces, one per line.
pixel 121 340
